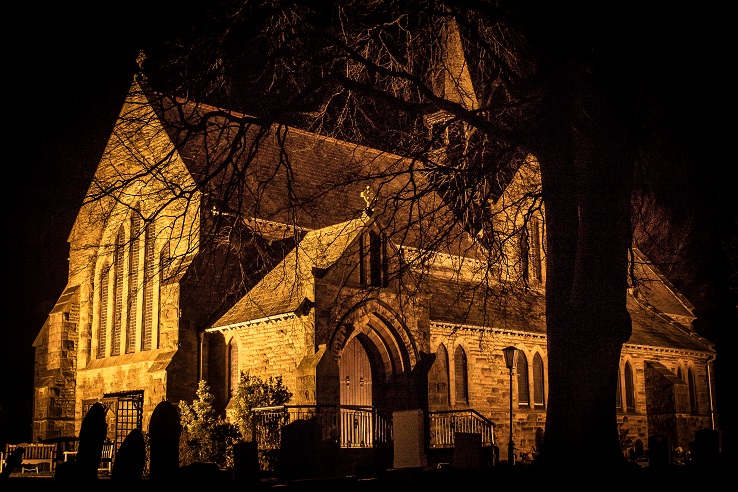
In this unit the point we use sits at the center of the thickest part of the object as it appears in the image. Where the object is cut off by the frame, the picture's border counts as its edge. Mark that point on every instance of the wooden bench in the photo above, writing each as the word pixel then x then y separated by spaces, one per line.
pixel 35 454
pixel 106 459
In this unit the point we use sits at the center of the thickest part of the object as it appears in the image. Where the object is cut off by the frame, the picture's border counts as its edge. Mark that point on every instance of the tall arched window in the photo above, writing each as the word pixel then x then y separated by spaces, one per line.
pixel 233 372
pixel 521 366
pixel 619 393
pixel 461 377
pixel 629 389
pixel 133 282
pixel 539 398
pixel 118 293
pixel 102 331
pixel 692 385
pixel 525 253
pixel 164 261
pixel 148 288
pixel 438 378
pixel 531 251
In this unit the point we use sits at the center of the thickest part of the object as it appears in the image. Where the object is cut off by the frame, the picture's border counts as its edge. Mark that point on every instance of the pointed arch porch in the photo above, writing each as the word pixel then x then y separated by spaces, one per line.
pixel 373 333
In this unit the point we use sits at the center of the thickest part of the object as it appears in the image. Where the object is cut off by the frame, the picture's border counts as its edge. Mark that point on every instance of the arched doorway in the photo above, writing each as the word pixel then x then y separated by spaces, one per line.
pixel 357 414
pixel 355 375
pixel 376 356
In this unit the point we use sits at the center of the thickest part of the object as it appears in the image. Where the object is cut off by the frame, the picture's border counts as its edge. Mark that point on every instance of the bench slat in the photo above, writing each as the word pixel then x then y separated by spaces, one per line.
pixel 34 454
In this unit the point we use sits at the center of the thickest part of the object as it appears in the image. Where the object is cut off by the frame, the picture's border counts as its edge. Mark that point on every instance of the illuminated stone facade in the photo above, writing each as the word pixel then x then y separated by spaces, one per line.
pixel 151 308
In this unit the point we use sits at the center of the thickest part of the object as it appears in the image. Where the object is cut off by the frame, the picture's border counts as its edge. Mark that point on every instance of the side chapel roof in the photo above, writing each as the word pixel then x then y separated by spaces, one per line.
pixel 289 283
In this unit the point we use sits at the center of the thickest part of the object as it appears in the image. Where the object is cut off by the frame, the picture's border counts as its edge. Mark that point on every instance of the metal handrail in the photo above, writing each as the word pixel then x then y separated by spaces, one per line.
pixel 445 424
pixel 348 426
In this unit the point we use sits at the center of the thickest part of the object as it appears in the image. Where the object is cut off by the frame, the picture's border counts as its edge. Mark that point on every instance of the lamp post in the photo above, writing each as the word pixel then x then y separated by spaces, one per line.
pixel 510 364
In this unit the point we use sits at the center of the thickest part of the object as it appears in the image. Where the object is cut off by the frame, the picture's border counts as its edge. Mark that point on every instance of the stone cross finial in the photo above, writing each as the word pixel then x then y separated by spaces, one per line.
pixel 140 60
pixel 368 196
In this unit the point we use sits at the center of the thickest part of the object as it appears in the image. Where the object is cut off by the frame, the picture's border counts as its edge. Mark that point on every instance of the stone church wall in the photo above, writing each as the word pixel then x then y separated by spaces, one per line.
pixel 489 389
pixel 273 348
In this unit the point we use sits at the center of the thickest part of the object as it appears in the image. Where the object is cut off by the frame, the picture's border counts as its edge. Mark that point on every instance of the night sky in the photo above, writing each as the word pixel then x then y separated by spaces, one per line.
pixel 66 79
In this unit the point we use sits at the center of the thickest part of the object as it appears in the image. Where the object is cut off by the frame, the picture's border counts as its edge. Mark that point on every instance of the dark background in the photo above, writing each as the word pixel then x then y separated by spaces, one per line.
pixel 66 77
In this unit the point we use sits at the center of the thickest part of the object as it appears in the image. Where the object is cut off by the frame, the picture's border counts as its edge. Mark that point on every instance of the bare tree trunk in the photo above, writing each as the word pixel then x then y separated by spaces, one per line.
pixel 586 185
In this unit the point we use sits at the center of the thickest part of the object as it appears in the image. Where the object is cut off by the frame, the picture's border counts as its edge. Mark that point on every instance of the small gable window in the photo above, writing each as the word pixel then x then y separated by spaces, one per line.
pixel 102 330
pixel 133 282
pixel 460 373
pixel 148 287
pixel 531 252
pixel 233 372
pixel 373 253
pixel 619 394
pixel 118 292
pixel 164 262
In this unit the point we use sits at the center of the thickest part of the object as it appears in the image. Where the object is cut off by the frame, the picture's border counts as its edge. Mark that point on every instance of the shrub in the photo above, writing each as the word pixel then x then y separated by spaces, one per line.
pixel 254 392
pixel 205 437
pixel 209 438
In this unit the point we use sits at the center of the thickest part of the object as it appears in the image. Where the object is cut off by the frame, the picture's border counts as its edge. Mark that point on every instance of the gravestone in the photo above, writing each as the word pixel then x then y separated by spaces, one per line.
pixel 467 450
pixel 409 441
pixel 300 449
pixel 659 452
pixel 92 435
pixel 246 463
pixel 130 459
pixel 705 448
pixel 164 433
pixel 13 461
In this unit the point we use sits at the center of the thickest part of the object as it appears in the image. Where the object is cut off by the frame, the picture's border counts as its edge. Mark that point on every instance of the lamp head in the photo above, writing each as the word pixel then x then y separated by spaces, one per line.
pixel 509 356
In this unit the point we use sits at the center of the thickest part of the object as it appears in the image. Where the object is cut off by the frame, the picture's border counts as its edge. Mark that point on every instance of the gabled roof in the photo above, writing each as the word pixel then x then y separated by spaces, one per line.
pixel 284 175
pixel 661 316
pixel 651 328
pixel 289 284
pixel 289 176
pixel 655 289
pixel 69 295
pixel 478 305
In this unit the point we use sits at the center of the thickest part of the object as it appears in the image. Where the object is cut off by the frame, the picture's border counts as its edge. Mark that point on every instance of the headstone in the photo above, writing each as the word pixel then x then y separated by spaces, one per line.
pixel 130 460
pixel 638 450
pixel 539 439
pixel 164 433
pixel 92 435
pixel 300 449
pixel 467 450
pixel 409 441
pixel 659 451
pixel 200 472
pixel 705 448
pixel 13 461
pixel 246 463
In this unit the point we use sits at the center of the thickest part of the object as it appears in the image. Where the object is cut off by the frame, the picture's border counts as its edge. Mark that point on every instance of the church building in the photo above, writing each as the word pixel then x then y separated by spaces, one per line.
pixel 211 244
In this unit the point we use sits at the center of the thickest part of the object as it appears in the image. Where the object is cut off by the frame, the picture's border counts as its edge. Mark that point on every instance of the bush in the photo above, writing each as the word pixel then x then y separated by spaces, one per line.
pixel 254 392
pixel 208 438
pixel 205 437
